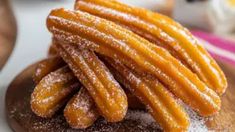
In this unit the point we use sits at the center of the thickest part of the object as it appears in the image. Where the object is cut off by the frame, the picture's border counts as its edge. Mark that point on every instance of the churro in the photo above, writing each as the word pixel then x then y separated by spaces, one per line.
pixel 96 78
pixel 46 66
pixel 53 91
pixel 113 41
pixel 80 111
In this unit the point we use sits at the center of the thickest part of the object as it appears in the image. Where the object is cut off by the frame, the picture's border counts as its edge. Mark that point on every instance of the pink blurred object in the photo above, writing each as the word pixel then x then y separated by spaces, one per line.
pixel 218 47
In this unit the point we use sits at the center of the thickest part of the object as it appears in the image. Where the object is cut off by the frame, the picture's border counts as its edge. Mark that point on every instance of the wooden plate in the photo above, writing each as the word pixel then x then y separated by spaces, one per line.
pixel 21 118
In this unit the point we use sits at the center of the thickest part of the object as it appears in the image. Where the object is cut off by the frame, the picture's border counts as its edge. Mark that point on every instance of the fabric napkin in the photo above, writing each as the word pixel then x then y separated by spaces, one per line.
pixel 218 47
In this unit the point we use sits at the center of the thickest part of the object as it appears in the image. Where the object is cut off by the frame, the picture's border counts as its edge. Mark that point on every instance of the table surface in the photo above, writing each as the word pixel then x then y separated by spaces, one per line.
pixel 33 39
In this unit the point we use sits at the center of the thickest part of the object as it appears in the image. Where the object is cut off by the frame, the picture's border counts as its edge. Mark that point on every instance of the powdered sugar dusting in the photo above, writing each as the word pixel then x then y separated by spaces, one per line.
pixel 144 117
pixel 197 123
pixel 97 80
pixel 51 92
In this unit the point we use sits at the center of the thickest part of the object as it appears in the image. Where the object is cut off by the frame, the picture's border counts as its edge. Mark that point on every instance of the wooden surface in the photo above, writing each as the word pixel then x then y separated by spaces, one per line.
pixel 225 120
pixel 21 118
pixel 7 32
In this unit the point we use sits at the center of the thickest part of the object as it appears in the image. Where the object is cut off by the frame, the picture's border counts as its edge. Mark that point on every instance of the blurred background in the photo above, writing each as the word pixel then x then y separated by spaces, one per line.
pixel 24 38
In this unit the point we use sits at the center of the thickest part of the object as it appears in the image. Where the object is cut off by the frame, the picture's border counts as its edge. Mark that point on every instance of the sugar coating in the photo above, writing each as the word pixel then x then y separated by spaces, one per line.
pixel 51 92
pixel 197 123
pixel 106 92
pixel 80 112
pixel 135 48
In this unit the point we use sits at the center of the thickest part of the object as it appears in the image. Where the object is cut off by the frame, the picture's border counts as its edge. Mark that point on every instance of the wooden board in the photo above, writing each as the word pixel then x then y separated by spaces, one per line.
pixel 21 118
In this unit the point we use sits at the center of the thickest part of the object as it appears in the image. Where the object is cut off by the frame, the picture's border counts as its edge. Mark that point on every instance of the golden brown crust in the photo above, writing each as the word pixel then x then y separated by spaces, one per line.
pixel 160 103
pixel 46 66
pixel 164 32
pixel 133 102
pixel 53 91
pixel 80 111
pixel 96 78
pixel 116 42
pixel 80 117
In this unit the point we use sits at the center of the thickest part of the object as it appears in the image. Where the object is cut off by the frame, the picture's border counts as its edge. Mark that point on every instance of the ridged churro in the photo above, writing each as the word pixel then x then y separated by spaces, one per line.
pixel 80 111
pixel 53 91
pixel 46 66
pixel 164 32
pixel 116 42
pixel 159 101
pixel 96 78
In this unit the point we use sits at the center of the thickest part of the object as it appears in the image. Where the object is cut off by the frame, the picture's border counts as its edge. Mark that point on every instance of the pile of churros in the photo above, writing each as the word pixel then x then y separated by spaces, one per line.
pixel 106 57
